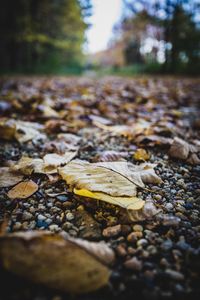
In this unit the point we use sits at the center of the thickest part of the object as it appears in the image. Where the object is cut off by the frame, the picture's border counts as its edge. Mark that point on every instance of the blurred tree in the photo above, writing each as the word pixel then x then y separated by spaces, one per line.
pixel 172 23
pixel 36 33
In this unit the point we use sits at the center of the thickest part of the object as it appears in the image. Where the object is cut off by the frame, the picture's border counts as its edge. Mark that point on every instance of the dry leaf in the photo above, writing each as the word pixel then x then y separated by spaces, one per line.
pixel 23 190
pixel 26 131
pixel 141 154
pixel 125 130
pixel 138 174
pixel 92 177
pixel 47 165
pixel 112 182
pixel 193 159
pixel 69 265
pixel 20 130
pixel 7 129
pixel 27 165
pixel 183 150
pixel 54 160
pixel 148 211
pixel 130 203
pixel 9 178
pixel 179 149
pixel 111 156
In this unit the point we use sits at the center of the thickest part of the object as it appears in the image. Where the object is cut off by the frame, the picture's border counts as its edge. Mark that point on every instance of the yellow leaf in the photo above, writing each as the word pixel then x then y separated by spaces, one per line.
pixel 132 203
pixel 141 154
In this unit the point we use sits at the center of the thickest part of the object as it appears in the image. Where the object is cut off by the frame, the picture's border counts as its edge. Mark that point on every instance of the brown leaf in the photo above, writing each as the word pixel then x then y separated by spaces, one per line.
pixel 8 177
pixel 69 265
pixel 23 190
pixel 182 150
pixel 110 156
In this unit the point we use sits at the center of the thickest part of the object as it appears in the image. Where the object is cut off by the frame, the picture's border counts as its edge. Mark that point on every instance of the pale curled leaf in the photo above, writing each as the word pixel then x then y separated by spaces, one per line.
pixel 26 165
pixel 183 150
pixel 20 130
pixel 23 190
pixel 55 160
pixel 9 178
pixel 148 211
pixel 72 265
pixel 47 165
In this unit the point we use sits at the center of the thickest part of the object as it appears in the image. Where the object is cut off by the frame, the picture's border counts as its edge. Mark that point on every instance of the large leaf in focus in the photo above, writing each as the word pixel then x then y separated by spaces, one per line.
pixel 138 174
pixel 92 177
pixel 69 265
pixel 112 182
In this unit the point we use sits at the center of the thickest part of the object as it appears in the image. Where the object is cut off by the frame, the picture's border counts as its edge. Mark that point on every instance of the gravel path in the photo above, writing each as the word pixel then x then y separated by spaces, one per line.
pixel 157 258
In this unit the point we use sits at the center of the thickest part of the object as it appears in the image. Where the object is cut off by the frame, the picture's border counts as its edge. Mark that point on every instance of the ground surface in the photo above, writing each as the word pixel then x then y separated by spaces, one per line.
pixel 156 110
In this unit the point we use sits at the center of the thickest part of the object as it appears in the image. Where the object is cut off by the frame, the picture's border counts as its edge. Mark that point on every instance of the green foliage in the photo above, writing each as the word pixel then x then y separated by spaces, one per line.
pixel 42 35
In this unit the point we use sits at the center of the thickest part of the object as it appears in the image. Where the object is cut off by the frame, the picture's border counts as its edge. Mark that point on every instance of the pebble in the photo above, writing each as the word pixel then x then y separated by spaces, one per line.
pixel 41 217
pixel 121 250
pixel 152 250
pixel 157 197
pixel 142 243
pixel 112 231
pixel 27 216
pixel 138 228
pixel 169 206
pixel 170 220
pixel 54 227
pixel 69 216
pixel 166 245
pixel 133 236
pixel 164 262
pixel 62 198
pixel 133 264
pixel 17 226
pixel 175 274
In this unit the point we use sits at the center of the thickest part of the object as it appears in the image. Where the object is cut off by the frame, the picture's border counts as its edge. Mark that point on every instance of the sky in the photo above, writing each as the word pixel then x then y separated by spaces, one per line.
pixel 105 14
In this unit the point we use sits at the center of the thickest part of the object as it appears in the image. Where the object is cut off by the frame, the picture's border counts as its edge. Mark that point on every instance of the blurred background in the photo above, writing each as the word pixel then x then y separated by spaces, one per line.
pixel 122 37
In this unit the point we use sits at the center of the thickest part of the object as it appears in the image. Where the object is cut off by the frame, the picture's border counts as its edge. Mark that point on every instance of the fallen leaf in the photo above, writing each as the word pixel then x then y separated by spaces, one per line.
pixel 27 165
pixel 148 211
pixel 131 203
pixel 23 190
pixel 183 150
pixel 141 154
pixel 72 265
pixel 138 174
pixel 47 165
pixel 26 131
pixel 111 156
pixel 7 129
pixel 54 160
pixel 9 178
pixel 112 182
pixel 20 130
pixel 193 159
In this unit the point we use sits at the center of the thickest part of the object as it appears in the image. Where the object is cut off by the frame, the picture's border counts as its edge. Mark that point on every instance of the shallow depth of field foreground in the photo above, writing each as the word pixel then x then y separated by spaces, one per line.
pixel 100 188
